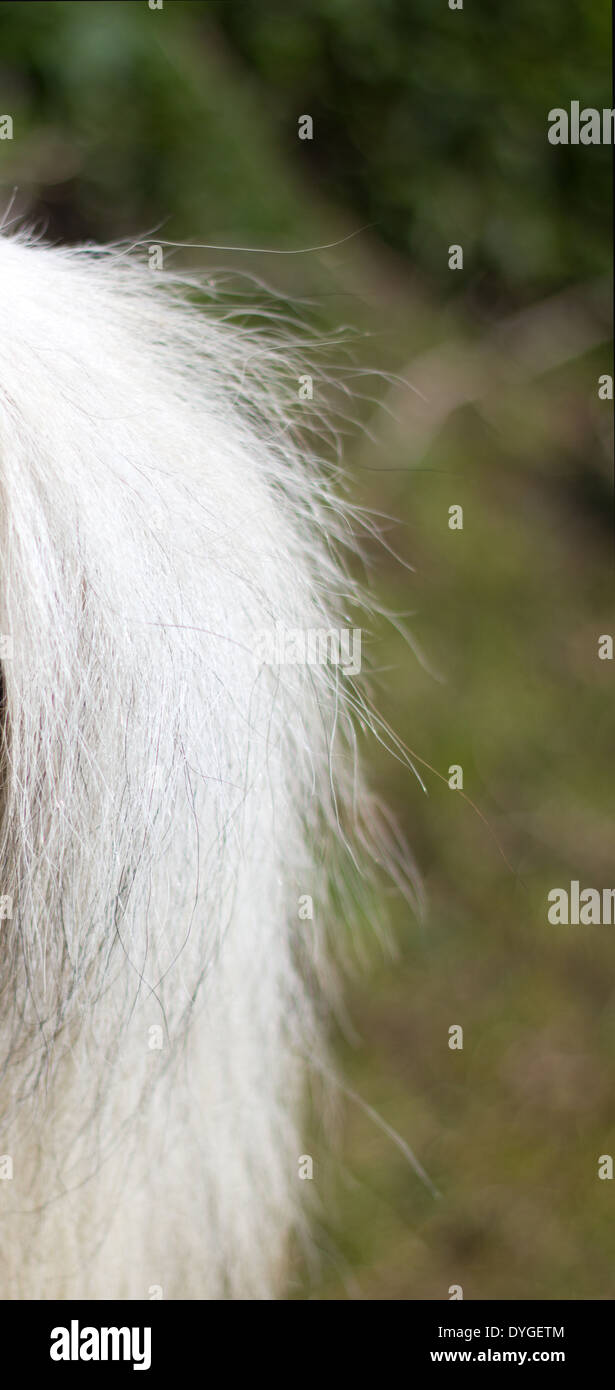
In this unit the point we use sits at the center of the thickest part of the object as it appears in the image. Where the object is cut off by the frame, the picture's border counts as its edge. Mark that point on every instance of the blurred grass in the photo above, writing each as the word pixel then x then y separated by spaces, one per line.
pixel 128 120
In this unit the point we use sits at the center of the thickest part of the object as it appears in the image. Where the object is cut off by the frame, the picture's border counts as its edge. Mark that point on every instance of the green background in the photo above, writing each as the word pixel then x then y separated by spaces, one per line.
pixel 429 130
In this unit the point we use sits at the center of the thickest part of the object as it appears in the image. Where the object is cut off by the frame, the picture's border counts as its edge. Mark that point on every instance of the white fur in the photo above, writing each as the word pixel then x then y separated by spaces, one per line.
pixel 166 797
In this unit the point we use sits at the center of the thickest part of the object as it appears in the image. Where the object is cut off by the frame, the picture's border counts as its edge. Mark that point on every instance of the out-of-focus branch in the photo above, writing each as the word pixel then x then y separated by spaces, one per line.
pixel 521 348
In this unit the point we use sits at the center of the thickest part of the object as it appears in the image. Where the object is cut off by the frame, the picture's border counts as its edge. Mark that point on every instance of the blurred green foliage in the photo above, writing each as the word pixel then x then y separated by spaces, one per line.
pixel 430 126
pixel 432 123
